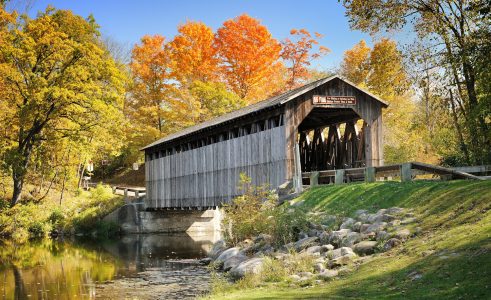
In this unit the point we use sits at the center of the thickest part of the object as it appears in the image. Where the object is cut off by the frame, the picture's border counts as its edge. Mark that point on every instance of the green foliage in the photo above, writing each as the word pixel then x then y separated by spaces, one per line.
pixel 256 212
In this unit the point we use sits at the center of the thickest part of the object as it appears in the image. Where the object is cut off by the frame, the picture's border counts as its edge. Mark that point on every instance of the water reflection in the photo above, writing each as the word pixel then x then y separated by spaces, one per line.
pixel 134 267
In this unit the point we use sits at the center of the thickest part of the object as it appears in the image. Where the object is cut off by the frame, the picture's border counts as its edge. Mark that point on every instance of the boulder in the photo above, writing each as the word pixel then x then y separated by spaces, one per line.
pixel 402 234
pixel 336 237
pixel 333 254
pixel 356 226
pixel 324 237
pixel 263 238
pixel 342 260
pixel 305 274
pixel 217 249
pixel 319 267
pixel 245 243
pixel 347 224
pixel 408 221
pixel 365 247
pixel 325 248
pixel 227 254
pixel 375 227
pixel 295 277
pixel 382 235
pixel 328 220
pixel 305 243
pixel 250 266
pixel 364 227
pixel 385 218
pixel 395 210
pixel 205 261
pixel 391 243
pixel 234 261
pixel 394 223
pixel 328 274
pixel 350 239
pixel 312 250
pixel 360 212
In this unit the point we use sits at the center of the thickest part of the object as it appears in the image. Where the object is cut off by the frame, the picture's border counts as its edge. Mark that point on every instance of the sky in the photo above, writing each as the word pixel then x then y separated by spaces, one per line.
pixel 127 21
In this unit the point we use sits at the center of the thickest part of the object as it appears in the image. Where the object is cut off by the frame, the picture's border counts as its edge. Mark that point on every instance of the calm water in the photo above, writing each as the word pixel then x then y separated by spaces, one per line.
pixel 134 267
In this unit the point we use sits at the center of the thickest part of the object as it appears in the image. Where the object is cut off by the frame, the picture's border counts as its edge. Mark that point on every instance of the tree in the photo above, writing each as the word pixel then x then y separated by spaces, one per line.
pixel 193 53
pixel 249 55
pixel 450 28
pixel 60 82
pixel 356 63
pixel 214 99
pixel 382 72
pixel 299 54
pixel 152 87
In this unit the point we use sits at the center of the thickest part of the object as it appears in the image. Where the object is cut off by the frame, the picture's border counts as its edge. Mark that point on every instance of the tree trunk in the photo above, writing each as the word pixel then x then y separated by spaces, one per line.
pixel 18 184
pixel 19 170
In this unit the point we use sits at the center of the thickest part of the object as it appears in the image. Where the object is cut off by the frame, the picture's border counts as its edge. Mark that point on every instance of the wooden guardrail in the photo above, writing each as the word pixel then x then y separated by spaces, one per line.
pixel 127 191
pixel 406 171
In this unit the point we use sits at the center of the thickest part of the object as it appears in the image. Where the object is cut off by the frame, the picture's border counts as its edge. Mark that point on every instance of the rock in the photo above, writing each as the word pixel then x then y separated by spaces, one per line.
pixel 305 274
pixel 324 237
pixel 263 238
pixel 234 261
pixel 217 249
pixel 333 254
pixel 360 212
pixel 205 261
pixel 364 227
pixel 375 227
pixel 356 226
pixel 402 234
pixel 391 243
pixel 328 274
pixel 394 223
pixel 295 277
pixel 302 235
pixel 415 275
pixel 227 254
pixel 250 266
pixel 328 220
pixel 314 232
pixel 325 248
pixel 306 242
pixel 312 250
pixel 350 239
pixel 319 267
pixel 342 260
pixel 382 236
pixel 385 218
pixel 245 243
pixel 347 224
pixel 408 221
pixel 337 236
pixel 395 210
pixel 365 247
pixel 344 270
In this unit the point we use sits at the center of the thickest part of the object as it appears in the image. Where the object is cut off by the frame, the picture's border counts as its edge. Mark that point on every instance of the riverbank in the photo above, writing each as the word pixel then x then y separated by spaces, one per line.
pixel 447 259
pixel 79 213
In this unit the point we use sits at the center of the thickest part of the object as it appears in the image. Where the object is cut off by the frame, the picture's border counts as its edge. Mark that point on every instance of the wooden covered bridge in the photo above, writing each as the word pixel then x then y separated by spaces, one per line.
pixel 325 125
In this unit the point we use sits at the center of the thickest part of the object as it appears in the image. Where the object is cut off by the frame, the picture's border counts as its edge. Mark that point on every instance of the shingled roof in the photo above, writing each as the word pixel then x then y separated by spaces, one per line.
pixel 265 104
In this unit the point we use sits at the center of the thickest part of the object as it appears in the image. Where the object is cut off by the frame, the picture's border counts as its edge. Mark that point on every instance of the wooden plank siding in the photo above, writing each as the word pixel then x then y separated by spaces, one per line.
pixel 209 175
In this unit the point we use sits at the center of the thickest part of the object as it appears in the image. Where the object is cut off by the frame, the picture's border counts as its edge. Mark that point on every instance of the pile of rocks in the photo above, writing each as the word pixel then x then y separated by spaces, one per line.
pixel 333 251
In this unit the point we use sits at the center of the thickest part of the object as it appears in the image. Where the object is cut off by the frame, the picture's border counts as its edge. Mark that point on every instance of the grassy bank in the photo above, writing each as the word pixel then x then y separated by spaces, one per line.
pixel 449 259
pixel 80 212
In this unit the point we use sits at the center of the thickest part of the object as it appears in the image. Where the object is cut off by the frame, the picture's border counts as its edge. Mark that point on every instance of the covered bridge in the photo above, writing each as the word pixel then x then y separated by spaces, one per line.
pixel 335 124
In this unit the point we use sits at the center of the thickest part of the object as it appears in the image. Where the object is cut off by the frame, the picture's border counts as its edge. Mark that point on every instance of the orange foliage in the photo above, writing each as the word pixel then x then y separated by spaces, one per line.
pixel 194 54
pixel 298 54
pixel 249 55
pixel 356 63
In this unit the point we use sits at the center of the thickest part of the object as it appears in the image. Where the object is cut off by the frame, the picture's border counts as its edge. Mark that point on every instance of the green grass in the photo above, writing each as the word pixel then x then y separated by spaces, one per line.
pixel 452 253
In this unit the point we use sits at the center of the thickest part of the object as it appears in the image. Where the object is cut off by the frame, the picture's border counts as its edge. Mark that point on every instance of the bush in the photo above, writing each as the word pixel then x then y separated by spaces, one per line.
pixel 36 229
pixel 256 211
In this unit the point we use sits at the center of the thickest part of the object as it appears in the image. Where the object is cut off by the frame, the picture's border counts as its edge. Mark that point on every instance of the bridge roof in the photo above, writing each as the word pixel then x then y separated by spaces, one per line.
pixel 256 107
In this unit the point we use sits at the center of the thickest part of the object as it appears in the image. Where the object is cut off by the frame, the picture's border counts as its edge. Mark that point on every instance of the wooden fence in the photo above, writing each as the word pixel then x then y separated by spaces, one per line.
pixel 406 172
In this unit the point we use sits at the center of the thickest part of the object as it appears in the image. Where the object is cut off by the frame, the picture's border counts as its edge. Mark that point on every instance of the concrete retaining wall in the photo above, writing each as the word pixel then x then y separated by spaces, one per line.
pixel 132 218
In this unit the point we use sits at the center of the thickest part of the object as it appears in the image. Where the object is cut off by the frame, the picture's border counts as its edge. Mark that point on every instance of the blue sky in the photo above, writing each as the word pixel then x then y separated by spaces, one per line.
pixel 127 21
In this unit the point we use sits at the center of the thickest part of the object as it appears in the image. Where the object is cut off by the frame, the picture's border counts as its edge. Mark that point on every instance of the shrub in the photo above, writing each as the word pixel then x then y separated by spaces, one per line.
pixel 256 211
pixel 36 229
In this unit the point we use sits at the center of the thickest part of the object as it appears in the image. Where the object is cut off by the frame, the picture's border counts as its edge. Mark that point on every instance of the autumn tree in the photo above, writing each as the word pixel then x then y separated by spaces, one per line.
pixel 298 52
pixel 193 53
pixel 382 72
pixel 249 55
pixel 60 84
pixel 356 63
pixel 452 31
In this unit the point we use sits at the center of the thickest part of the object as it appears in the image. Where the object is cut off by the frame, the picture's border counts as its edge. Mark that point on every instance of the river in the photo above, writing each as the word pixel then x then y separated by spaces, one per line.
pixel 150 266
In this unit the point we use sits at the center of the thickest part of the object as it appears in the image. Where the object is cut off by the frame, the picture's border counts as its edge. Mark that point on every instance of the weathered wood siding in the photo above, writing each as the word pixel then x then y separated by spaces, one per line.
pixel 209 175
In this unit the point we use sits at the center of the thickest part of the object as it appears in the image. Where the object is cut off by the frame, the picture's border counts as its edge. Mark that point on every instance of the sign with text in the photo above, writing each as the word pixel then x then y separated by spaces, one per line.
pixel 334 100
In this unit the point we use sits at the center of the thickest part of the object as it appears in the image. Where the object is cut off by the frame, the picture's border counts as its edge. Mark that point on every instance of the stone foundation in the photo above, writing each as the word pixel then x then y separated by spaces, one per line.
pixel 132 218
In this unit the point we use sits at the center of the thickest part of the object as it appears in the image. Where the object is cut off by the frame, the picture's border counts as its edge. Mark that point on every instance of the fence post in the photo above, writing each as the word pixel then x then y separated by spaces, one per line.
pixel 137 193
pixel 314 178
pixel 125 193
pixel 339 176
pixel 406 174
pixel 370 174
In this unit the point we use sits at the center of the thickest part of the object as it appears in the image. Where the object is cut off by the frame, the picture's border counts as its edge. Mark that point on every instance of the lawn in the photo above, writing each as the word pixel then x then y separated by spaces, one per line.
pixel 449 259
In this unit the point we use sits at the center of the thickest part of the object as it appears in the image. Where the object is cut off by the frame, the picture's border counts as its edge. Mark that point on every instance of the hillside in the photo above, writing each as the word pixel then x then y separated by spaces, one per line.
pixel 449 259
